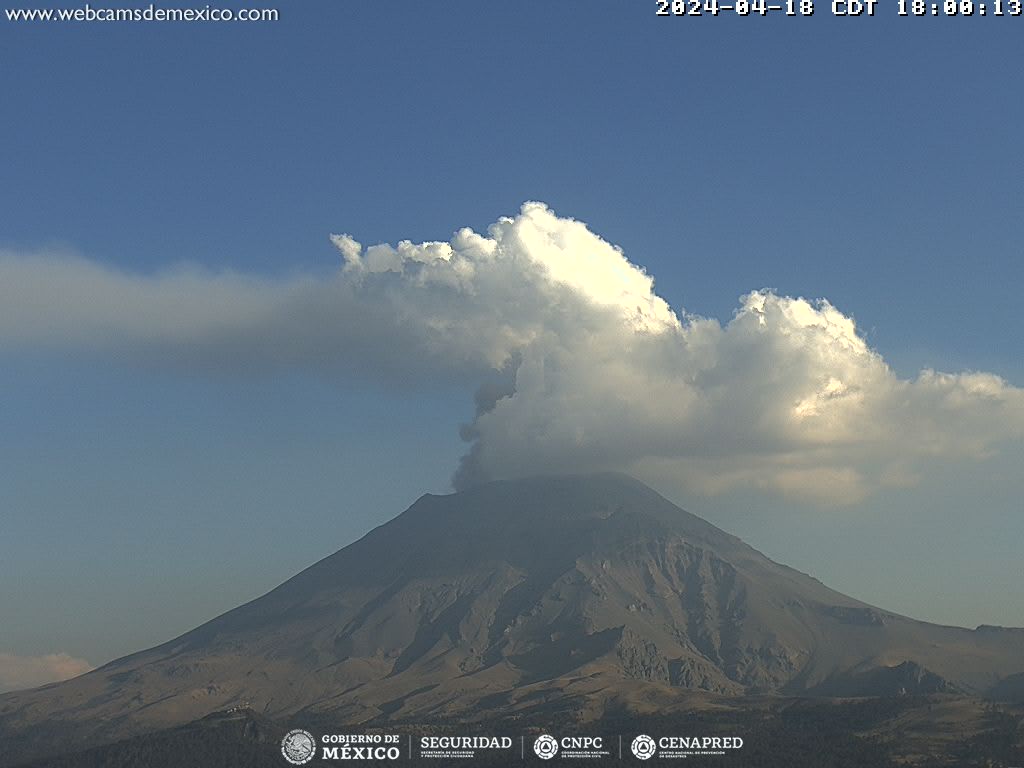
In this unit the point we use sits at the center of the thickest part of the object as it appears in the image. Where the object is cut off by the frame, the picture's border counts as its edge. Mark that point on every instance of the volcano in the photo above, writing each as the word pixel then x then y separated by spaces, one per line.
pixel 572 592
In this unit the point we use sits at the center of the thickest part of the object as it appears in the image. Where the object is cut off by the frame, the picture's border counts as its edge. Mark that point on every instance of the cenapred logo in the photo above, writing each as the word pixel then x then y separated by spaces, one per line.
pixel 546 747
pixel 643 747
pixel 298 746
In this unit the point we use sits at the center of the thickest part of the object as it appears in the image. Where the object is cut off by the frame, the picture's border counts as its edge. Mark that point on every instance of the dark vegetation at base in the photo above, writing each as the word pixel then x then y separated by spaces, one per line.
pixel 785 734
pixel 223 740
pixel 1000 746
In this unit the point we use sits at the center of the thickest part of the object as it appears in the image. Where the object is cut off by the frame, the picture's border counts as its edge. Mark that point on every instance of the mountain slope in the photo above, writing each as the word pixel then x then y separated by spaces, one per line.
pixel 579 592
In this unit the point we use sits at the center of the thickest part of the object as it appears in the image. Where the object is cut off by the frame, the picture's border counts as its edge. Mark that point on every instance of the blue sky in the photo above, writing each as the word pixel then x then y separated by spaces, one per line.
pixel 873 162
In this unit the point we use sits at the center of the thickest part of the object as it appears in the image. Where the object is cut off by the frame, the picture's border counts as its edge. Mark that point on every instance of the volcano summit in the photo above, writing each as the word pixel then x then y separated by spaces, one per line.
pixel 582 594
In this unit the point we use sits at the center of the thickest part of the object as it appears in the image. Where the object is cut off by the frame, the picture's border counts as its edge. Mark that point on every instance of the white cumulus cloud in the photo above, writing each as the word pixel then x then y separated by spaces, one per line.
pixel 20 672
pixel 579 364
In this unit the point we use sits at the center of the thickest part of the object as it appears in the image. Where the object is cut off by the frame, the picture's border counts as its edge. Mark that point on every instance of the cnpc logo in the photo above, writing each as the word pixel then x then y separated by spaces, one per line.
pixel 546 747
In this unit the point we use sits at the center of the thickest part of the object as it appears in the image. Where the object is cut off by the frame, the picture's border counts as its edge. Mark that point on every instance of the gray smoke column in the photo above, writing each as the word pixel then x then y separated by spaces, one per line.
pixel 579 364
